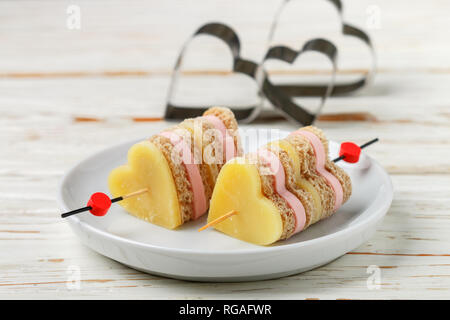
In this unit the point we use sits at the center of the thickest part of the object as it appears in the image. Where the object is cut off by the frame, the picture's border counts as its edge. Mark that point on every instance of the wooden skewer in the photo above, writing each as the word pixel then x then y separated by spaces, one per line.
pixel 136 193
pixel 218 220
pixel 132 194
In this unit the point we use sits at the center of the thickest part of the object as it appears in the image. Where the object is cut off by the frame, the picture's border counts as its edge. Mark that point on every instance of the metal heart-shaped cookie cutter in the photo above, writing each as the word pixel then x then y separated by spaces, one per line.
pixel 279 99
pixel 301 90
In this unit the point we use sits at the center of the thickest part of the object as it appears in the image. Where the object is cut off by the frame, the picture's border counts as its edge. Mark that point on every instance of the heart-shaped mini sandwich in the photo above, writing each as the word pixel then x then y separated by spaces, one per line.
pixel 280 190
pixel 177 169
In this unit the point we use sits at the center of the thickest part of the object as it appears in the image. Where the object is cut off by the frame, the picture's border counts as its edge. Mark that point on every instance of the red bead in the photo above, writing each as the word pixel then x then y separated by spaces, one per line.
pixel 100 203
pixel 350 151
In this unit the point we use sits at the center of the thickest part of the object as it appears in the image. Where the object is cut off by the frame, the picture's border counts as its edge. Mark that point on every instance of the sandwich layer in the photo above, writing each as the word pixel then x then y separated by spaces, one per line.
pixel 301 187
pixel 193 130
pixel 267 184
pixel 228 145
pixel 279 184
pixel 192 170
pixel 321 156
pixel 228 119
pixel 179 176
pixel 308 172
pixel 337 171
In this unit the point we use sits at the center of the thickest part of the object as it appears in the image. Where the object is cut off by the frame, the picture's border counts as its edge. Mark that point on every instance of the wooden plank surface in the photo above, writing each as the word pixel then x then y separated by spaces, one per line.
pixel 65 94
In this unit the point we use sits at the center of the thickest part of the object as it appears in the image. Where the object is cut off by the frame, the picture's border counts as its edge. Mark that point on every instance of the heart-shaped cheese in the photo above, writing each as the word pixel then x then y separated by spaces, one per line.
pixel 238 187
pixel 147 168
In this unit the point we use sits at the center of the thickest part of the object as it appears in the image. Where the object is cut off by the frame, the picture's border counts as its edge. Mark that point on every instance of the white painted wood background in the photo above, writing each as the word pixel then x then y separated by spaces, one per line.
pixel 116 68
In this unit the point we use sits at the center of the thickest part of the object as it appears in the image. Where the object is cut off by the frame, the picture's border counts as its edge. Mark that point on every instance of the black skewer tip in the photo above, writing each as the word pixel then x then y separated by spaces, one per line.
pixel 116 199
pixel 338 159
pixel 368 143
pixel 67 214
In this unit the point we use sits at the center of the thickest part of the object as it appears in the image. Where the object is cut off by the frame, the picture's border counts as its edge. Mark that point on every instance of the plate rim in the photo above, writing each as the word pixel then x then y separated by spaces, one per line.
pixel 378 214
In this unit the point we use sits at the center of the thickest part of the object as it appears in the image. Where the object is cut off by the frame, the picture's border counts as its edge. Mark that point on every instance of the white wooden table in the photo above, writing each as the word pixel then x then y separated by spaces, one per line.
pixel 65 94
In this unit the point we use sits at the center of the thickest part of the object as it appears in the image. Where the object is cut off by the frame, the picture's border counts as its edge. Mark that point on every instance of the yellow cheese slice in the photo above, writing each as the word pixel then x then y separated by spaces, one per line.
pixel 147 168
pixel 238 187
pixel 301 183
pixel 197 133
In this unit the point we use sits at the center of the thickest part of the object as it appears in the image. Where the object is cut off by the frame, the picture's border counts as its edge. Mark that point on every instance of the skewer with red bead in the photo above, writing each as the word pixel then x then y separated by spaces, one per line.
pixel 99 203
pixel 350 152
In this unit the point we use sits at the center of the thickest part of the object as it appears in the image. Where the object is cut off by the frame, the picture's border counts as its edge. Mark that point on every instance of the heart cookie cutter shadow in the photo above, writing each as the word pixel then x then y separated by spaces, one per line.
pixel 281 101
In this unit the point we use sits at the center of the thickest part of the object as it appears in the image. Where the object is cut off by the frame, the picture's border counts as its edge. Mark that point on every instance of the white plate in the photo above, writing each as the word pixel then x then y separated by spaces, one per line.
pixel 211 255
